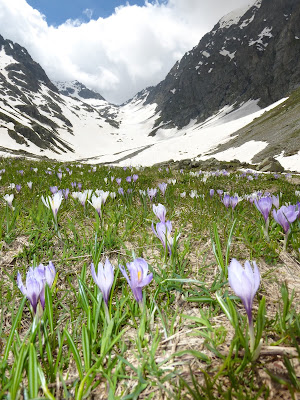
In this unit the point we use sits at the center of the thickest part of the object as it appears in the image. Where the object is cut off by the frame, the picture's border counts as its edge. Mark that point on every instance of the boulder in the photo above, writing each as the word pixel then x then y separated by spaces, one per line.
pixel 270 165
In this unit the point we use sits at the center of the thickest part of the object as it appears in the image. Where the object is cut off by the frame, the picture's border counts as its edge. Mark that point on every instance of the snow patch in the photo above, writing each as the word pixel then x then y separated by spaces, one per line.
pixel 234 17
pixel 265 33
pixel 246 22
pixel 225 53
pixel 291 163
pixel 5 60
pixel 206 54
pixel 243 153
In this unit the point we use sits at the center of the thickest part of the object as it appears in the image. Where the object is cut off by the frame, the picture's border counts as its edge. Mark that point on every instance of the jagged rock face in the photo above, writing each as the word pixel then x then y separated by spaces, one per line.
pixel 256 56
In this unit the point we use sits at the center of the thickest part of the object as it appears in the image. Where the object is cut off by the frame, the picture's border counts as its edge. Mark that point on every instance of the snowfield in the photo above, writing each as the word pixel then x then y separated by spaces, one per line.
pixel 96 141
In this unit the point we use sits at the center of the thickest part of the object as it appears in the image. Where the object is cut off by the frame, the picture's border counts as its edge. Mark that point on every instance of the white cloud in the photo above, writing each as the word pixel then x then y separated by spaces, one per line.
pixel 117 56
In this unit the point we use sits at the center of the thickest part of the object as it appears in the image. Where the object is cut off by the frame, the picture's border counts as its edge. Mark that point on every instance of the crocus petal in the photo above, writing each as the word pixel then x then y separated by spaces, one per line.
pixel 20 284
pixel 123 270
pixel 50 273
pixel 244 283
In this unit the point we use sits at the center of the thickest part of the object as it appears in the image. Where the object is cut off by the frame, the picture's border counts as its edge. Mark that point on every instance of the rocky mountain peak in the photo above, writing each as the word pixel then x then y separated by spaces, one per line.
pixel 251 54
pixel 22 69
pixel 78 90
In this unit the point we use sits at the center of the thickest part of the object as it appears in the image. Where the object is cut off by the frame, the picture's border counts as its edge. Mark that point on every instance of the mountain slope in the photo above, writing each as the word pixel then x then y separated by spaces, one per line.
pixel 36 119
pixel 252 55
pixel 279 128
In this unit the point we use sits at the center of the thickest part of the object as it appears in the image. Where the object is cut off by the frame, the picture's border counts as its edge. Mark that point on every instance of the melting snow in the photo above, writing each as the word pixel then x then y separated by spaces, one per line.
pixel 5 60
pixel 266 32
pixel 234 17
pixel 291 163
pixel 206 54
pixel 225 53
pixel 247 22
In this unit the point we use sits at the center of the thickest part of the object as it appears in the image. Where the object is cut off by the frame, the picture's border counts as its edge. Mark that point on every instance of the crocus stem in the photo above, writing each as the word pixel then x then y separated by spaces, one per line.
pixel 7 219
pixel 106 313
pixel 56 229
pixel 285 239
pixel 266 228
pixel 251 334
pixel 141 304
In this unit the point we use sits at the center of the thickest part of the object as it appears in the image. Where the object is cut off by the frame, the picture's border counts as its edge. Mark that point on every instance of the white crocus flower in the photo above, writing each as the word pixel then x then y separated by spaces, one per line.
pixel 97 204
pixel 9 199
pixel 53 202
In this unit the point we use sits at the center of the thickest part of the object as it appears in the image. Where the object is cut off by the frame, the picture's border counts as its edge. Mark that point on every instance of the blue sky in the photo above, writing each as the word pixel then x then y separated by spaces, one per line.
pixel 58 11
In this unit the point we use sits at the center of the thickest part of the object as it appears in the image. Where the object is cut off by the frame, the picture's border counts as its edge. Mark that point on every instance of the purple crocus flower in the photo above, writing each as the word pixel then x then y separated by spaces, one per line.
pixel 73 184
pixel 59 175
pixel 65 193
pixel 275 201
pixel 53 189
pixel 128 179
pixel 18 188
pixel 79 186
pixel 226 200
pixel 151 193
pixel 121 191
pixel 104 278
pixel 211 192
pixel 135 177
pixel 285 215
pixel 234 201
pixel 163 187
pixel 245 282
pixel 21 172
pixel 264 205
pixel 163 232
pixel 118 180
pixel 160 211
pixel 220 192
pixel 139 277
pixel 36 279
